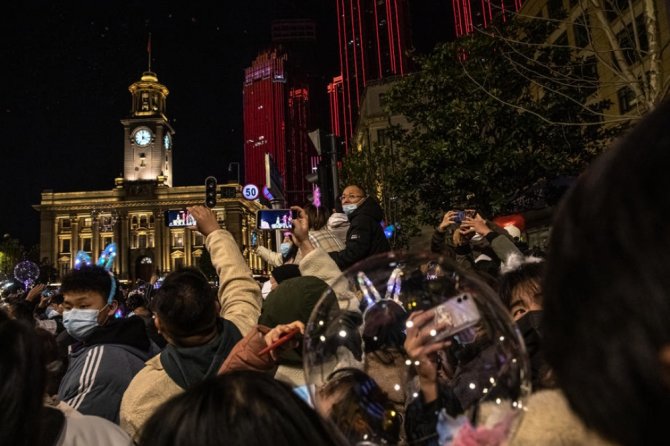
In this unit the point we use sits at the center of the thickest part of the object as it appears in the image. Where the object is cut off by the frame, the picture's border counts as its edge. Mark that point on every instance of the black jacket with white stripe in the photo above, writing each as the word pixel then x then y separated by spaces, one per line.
pixel 101 367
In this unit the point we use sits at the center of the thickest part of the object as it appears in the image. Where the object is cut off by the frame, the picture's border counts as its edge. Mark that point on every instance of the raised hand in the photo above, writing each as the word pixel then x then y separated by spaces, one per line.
pixel 205 219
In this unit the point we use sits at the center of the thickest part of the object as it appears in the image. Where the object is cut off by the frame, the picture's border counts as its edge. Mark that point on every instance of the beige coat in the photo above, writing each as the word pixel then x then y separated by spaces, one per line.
pixel 240 299
pixel 549 421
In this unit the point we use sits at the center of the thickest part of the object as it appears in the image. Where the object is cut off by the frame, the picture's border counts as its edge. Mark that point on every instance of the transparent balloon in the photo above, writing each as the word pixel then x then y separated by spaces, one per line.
pixel 405 346
pixel 9 288
pixel 27 272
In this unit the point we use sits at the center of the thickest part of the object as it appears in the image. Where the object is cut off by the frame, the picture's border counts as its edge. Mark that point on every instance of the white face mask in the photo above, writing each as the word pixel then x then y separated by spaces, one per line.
pixel 51 313
pixel 81 323
pixel 349 208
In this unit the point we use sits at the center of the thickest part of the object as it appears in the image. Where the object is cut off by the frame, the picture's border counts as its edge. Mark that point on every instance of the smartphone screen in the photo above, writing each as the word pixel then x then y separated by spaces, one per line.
pixel 179 219
pixel 456 314
pixel 273 219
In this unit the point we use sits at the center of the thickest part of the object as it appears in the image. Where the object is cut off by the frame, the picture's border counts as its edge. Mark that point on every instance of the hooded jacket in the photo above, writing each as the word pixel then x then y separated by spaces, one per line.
pixel 101 367
pixel 167 374
pixel 365 236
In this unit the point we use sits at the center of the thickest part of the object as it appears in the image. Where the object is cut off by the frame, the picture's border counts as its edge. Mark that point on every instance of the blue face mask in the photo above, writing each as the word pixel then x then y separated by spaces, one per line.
pixel 284 248
pixel 81 323
pixel 349 208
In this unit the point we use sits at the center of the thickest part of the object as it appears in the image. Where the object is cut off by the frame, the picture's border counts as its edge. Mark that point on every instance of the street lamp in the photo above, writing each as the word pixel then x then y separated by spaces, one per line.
pixel 230 170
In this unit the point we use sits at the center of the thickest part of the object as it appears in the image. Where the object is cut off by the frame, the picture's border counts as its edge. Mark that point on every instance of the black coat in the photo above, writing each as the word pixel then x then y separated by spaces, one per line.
pixel 365 236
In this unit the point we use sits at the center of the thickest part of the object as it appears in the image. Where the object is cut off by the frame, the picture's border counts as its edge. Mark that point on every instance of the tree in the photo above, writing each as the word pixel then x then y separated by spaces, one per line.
pixel 619 42
pixel 11 253
pixel 481 133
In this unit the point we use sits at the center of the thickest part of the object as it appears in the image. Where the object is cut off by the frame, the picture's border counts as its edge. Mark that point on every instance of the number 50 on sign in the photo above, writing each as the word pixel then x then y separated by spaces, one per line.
pixel 250 191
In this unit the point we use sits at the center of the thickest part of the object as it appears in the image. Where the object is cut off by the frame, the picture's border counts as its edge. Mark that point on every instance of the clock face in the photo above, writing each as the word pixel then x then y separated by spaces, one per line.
pixel 167 141
pixel 142 137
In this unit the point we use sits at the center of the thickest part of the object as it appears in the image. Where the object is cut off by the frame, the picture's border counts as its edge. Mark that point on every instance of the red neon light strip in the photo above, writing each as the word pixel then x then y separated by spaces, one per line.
pixel 401 42
pixel 457 21
pixel 389 36
pixel 379 49
pixel 359 85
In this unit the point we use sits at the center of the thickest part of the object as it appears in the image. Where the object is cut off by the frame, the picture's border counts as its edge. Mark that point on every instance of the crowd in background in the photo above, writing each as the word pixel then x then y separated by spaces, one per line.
pixel 184 363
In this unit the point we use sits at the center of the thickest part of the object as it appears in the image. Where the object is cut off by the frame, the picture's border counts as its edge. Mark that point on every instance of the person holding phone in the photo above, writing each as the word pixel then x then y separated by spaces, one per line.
pixel 200 325
pixel 477 245
pixel 288 252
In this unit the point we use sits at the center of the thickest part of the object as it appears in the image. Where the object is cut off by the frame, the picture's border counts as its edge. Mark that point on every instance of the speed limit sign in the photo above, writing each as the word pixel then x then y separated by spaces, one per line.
pixel 250 191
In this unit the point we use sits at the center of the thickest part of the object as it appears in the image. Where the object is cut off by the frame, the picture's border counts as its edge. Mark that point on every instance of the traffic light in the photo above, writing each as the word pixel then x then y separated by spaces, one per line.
pixel 210 192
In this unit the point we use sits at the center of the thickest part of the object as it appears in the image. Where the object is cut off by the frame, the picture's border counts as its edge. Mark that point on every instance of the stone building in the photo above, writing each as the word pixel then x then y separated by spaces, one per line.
pixel 132 213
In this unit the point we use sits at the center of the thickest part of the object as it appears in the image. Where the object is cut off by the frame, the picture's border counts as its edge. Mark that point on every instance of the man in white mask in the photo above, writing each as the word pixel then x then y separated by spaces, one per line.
pixel 108 352
pixel 365 235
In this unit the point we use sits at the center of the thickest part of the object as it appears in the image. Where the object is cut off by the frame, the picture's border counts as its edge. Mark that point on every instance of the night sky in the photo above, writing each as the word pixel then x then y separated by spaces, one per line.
pixel 68 65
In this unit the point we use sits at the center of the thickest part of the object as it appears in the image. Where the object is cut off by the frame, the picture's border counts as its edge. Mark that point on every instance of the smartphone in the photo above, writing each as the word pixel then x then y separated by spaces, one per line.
pixel 462 215
pixel 458 313
pixel 273 219
pixel 180 218
pixel 281 341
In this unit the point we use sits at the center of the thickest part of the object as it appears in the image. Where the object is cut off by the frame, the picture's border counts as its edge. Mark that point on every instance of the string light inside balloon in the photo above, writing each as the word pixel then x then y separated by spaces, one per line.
pixel 27 272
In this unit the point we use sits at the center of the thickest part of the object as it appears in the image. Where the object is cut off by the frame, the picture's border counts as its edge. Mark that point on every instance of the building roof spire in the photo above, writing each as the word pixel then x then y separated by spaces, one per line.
pixel 149 52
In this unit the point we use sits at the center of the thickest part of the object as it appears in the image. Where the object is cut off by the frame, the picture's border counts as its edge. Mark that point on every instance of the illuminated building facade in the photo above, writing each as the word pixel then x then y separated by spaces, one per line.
pixel 373 36
pixel 278 109
pixel 264 114
pixel 132 213
pixel 469 14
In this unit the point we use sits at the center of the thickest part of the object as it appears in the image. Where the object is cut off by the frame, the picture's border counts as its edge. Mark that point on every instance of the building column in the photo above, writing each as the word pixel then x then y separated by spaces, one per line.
pixel 124 245
pixel 95 237
pixel 165 249
pixel 49 241
pixel 234 217
pixel 74 242
pixel 158 240
pixel 187 247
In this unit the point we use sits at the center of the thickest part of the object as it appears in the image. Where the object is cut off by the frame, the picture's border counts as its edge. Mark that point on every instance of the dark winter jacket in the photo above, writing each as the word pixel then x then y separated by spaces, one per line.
pixel 101 367
pixel 365 236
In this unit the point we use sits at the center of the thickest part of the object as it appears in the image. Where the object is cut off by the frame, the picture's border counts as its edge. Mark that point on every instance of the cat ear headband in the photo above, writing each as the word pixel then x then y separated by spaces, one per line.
pixel 106 259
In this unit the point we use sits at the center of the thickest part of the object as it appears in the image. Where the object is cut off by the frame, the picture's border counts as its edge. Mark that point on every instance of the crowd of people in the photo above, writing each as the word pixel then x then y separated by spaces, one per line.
pixel 189 364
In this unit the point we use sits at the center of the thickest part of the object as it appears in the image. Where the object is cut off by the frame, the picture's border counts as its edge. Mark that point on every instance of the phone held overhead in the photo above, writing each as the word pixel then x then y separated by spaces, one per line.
pixel 273 219
pixel 179 218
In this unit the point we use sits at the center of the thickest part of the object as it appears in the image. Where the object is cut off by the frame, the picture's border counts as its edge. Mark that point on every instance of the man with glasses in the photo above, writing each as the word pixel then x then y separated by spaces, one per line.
pixel 365 236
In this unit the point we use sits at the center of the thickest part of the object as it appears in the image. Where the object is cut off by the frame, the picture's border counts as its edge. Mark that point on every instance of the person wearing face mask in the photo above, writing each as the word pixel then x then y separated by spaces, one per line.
pixel 365 236
pixel 520 290
pixel 548 418
pixel 107 352
pixel 288 253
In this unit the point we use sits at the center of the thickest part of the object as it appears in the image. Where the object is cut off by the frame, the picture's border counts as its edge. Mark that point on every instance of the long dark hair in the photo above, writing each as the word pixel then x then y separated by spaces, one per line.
pixel 238 408
pixel 22 381
pixel 606 304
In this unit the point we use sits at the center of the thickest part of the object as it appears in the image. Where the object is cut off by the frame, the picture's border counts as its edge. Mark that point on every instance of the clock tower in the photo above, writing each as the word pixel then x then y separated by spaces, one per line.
pixel 147 133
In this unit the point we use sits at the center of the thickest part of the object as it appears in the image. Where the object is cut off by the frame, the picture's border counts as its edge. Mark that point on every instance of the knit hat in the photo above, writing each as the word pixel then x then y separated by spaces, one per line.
pixel 293 300
pixel 284 272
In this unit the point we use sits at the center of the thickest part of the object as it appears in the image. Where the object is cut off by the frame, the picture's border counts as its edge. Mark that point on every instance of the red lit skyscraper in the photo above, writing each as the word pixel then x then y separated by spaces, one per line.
pixel 373 36
pixel 277 109
pixel 264 114
pixel 471 13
